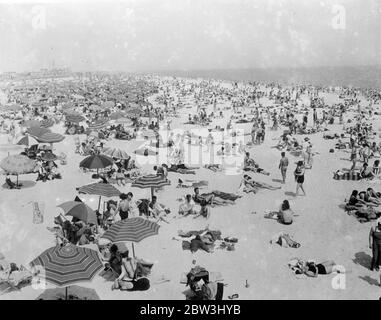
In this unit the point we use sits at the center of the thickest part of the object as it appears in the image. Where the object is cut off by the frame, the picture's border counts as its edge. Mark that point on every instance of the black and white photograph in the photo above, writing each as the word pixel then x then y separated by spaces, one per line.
pixel 190 150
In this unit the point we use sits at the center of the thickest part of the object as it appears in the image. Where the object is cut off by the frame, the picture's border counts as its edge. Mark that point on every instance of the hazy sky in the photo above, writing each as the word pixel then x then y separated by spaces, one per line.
pixel 135 35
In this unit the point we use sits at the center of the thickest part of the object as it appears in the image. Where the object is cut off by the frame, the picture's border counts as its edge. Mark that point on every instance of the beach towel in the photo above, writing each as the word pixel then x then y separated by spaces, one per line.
pixel 351 176
pixel 38 216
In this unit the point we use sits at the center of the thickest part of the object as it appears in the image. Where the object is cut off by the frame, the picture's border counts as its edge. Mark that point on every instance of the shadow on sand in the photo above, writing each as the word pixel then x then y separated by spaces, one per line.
pixel 362 259
pixel 371 281
pixel 277 180
pixel 290 194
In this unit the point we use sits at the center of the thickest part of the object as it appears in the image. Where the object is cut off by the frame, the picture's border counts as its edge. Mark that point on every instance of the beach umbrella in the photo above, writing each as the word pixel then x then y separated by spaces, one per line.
pixel 50 137
pixel 37 131
pixel 133 112
pixel 95 107
pixel 150 181
pixel 149 134
pixel 116 153
pixel 97 161
pixel 99 124
pixel 100 189
pixel 74 117
pixel 46 123
pixel 27 141
pixel 31 123
pixel 68 265
pixel 18 164
pixel 124 121
pixel 132 229
pixel 48 156
pixel 69 293
pixel 79 210
pixel 117 115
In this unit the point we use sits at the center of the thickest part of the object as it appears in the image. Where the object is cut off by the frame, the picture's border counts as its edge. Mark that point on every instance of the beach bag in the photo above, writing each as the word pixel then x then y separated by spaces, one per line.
pixel 331 150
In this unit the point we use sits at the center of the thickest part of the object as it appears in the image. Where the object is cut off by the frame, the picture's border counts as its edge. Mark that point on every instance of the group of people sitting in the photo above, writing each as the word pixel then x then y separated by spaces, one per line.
pixel 47 170
pixel 363 204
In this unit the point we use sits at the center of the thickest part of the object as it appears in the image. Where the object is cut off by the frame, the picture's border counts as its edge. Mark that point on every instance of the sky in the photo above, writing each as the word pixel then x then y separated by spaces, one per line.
pixel 143 35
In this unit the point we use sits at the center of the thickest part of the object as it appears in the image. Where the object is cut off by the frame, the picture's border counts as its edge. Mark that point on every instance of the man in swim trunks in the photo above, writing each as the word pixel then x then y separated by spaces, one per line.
pixel 283 164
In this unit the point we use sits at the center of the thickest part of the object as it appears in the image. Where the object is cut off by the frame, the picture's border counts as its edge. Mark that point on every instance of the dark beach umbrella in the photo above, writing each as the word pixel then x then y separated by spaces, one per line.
pixel 97 161
pixel 37 131
pixel 79 210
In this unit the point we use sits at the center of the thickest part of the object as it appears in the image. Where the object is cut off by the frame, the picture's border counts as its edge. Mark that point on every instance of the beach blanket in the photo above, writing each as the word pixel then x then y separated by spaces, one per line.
pixel 38 216
pixel 352 176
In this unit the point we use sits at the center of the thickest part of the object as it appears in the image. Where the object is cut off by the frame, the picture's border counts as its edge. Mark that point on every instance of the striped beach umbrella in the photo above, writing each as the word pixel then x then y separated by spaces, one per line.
pixel 150 181
pixel 50 137
pixel 125 121
pixel 67 265
pixel 99 124
pixel 116 153
pixel 27 141
pixel 133 229
pixel 74 118
pixel 117 115
pixel 46 123
pixel 101 190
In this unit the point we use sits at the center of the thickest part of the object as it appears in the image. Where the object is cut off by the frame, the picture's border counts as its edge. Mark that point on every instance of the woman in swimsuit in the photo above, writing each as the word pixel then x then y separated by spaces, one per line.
pixel 375 245
pixel 299 177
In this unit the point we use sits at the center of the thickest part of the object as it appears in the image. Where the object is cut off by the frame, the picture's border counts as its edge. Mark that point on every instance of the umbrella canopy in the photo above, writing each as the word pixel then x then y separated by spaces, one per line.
pixel 46 123
pixel 79 210
pixel 31 123
pixel 69 293
pixel 100 189
pixel 108 105
pixel 117 115
pixel 150 181
pixel 96 161
pixel 116 153
pixel 99 124
pixel 124 121
pixel 18 164
pixel 133 112
pixel 133 229
pixel 37 131
pixel 48 156
pixel 27 141
pixel 68 265
pixel 50 137
pixel 74 117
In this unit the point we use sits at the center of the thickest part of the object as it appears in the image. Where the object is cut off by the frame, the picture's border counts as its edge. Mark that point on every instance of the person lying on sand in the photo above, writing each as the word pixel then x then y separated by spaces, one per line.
pixel 249 181
pixel 312 269
pixel 191 184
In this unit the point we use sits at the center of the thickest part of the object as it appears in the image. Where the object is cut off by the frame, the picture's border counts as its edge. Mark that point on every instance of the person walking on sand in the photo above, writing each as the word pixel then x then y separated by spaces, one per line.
pixel 283 164
pixel 299 177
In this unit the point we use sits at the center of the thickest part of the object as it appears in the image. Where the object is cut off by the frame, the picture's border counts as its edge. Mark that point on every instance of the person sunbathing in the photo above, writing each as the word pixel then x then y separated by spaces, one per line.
pixel 213 167
pixel 255 184
pixel 191 184
pixel 181 168
pixel 284 215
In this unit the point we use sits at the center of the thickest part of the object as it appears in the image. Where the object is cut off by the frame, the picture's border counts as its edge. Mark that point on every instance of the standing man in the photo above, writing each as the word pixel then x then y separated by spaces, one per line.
pixel 283 164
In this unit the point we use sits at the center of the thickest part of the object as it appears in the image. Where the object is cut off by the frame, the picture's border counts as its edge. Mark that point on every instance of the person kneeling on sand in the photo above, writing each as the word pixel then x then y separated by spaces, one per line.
pixel 187 207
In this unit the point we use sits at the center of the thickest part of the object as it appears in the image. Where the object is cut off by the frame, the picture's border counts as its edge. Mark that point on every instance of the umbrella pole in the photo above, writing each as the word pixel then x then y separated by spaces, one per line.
pixel 99 204
pixel 152 193
pixel 133 250
pixel 17 180
pixel 66 293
